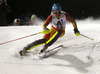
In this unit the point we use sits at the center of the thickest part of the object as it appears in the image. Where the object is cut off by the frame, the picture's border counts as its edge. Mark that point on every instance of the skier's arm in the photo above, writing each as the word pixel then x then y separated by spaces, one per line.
pixel 45 24
pixel 71 20
pixel 74 24
pixel 49 19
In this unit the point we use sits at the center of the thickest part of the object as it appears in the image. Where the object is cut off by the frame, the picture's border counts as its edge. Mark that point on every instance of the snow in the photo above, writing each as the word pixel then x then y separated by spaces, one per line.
pixel 71 59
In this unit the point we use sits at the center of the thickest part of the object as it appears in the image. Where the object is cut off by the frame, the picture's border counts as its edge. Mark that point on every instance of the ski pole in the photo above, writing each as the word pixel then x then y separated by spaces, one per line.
pixel 86 37
pixel 20 38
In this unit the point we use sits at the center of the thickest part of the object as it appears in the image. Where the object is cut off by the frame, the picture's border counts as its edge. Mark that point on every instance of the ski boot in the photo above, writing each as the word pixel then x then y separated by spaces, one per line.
pixel 22 52
pixel 44 49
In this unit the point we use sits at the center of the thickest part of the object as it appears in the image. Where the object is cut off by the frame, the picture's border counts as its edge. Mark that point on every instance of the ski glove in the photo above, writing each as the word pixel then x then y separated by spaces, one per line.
pixel 76 32
pixel 45 31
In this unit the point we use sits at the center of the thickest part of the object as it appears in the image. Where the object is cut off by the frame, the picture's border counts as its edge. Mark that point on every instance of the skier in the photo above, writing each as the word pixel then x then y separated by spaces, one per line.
pixel 17 22
pixel 33 19
pixel 58 18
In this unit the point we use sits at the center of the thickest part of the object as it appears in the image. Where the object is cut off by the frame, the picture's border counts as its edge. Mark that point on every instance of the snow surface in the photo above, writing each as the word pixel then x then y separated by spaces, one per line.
pixel 72 59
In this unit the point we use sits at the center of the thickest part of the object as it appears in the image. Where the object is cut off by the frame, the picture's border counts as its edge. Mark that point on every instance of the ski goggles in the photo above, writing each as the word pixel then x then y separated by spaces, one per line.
pixel 56 12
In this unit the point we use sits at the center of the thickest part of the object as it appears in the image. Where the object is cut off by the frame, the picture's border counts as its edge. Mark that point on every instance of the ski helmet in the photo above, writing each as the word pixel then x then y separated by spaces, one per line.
pixel 33 17
pixel 56 7
pixel 16 20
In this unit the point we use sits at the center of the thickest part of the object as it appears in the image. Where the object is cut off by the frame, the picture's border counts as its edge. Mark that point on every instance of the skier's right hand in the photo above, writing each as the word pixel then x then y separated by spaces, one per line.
pixel 45 31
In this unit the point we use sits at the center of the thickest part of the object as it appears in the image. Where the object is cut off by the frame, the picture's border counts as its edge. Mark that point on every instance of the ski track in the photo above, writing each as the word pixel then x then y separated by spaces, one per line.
pixel 71 59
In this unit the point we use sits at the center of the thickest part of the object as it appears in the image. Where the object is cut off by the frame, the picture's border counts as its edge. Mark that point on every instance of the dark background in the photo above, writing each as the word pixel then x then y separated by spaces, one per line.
pixel 78 9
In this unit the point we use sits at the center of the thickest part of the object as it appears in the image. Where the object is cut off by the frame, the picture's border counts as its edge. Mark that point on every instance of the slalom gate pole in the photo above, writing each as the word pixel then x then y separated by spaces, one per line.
pixel 93 48
pixel 19 38
pixel 86 37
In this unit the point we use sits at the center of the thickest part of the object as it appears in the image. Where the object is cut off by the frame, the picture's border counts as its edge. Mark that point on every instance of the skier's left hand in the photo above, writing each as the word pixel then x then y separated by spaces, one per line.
pixel 76 32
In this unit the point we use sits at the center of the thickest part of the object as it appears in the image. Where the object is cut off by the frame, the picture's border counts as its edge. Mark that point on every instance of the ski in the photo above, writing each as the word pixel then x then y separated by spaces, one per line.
pixel 43 55
pixel 54 48
pixel 48 53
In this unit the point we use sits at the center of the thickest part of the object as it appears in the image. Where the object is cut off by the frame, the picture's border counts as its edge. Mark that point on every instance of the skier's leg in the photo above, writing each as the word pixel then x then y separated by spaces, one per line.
pixel 51 40
pixel 32 45
pixel 47 37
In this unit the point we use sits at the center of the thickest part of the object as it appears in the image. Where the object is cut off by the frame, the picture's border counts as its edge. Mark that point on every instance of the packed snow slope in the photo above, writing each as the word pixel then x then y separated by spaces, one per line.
pixel 71 59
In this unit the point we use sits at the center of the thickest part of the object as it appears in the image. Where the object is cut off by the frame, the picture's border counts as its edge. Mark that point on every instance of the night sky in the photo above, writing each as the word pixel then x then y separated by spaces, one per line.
pixel 42 8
